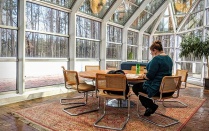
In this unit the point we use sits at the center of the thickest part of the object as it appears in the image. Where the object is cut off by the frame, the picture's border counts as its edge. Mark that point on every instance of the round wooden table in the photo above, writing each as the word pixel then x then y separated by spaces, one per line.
pixel 130 75
pixel 131 78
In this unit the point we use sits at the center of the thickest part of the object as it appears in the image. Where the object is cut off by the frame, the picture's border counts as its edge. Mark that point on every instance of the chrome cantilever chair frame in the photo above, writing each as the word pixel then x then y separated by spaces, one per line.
pixel 73 83
pixel 111 82
pixel 173 84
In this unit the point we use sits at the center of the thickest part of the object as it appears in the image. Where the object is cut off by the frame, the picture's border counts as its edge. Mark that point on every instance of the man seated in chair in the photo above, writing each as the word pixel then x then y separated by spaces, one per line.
pixel 160 66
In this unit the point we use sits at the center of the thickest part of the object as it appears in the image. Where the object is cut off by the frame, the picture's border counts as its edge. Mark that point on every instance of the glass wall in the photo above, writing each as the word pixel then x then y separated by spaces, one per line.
pixel 146 14
pixel 145 48
pixel 195 18
pixel 168 43
pixel 126 9
pixel 165 23
pixel 96 8
pixel 192 64
pixel 8 44
pixel 41 74
pixel 132 46
pixel 87 42
pixel 114 46
pixel 64 3
pixel 46 45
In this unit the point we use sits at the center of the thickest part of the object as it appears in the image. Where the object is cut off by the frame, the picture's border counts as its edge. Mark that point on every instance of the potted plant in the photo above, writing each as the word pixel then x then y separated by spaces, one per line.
pixel 195 47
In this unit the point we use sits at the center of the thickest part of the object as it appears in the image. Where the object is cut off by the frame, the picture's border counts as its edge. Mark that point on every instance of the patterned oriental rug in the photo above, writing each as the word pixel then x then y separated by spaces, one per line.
pixel 51 117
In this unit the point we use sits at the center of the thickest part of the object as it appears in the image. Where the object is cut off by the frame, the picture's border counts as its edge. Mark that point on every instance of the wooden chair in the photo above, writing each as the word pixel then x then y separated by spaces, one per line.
pixel 92 67
pixel 111 82
pixel 184 75
pixel 72 82
pixel 168 84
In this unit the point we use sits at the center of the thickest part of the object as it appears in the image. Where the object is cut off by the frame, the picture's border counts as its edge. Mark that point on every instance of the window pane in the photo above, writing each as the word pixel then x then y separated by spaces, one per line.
pixel 39 74
pixel 190 58
pixel 114 34
pixel 8 12
pixel 7 76
pixel 87 28
pixel 87 49
pixel 132 52
pixel 114 51
pixel 167 40
pixel 8 43
pixel 113 65
pixel 170 52
pixel 194 69
pixel 194 20
pixel 123 12
pixel 165 25
pixel 182 6
pixel 46 46
pixel 64 3
pixel 46 19
pixel 145 15
pixel 132 38
pixel 96 8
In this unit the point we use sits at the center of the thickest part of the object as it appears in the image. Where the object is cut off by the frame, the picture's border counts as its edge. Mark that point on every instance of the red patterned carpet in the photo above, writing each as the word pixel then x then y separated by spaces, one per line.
pixel 51 117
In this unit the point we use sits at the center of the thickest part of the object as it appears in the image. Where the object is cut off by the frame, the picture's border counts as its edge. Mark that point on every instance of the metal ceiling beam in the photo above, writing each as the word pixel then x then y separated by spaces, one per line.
pixel 187 15
pixel 158 22
pixel 77 5
pixel 137 13
pixel 156 14
pixel 112 10
pixel 172 17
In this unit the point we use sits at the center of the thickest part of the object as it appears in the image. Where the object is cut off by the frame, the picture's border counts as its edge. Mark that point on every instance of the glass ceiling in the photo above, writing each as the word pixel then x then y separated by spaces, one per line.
pixel 127 8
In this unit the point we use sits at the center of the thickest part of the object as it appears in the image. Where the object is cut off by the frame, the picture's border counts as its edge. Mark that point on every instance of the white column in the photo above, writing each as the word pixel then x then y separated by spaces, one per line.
pixel 72 33
pixel 150 42
pixel 124 44
pixel 103 46
pixel 140 42
pixel 21 47
pixel 72 42
pixel 175 54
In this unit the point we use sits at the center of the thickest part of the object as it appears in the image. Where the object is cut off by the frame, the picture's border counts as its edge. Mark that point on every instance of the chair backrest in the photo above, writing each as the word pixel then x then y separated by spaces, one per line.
pixel 100 81
pixel 92 67
pixel 71 77
pixel 115 82
pixel 183 74
pixel 111 82
pixel 133 68
pixel 170 84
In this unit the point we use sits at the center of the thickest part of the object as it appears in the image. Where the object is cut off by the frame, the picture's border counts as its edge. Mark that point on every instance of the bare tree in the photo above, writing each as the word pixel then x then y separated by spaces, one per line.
pixel 1 12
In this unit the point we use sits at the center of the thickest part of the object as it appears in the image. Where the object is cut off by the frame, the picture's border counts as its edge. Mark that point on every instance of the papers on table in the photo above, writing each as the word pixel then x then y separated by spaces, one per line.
pixel 133 75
